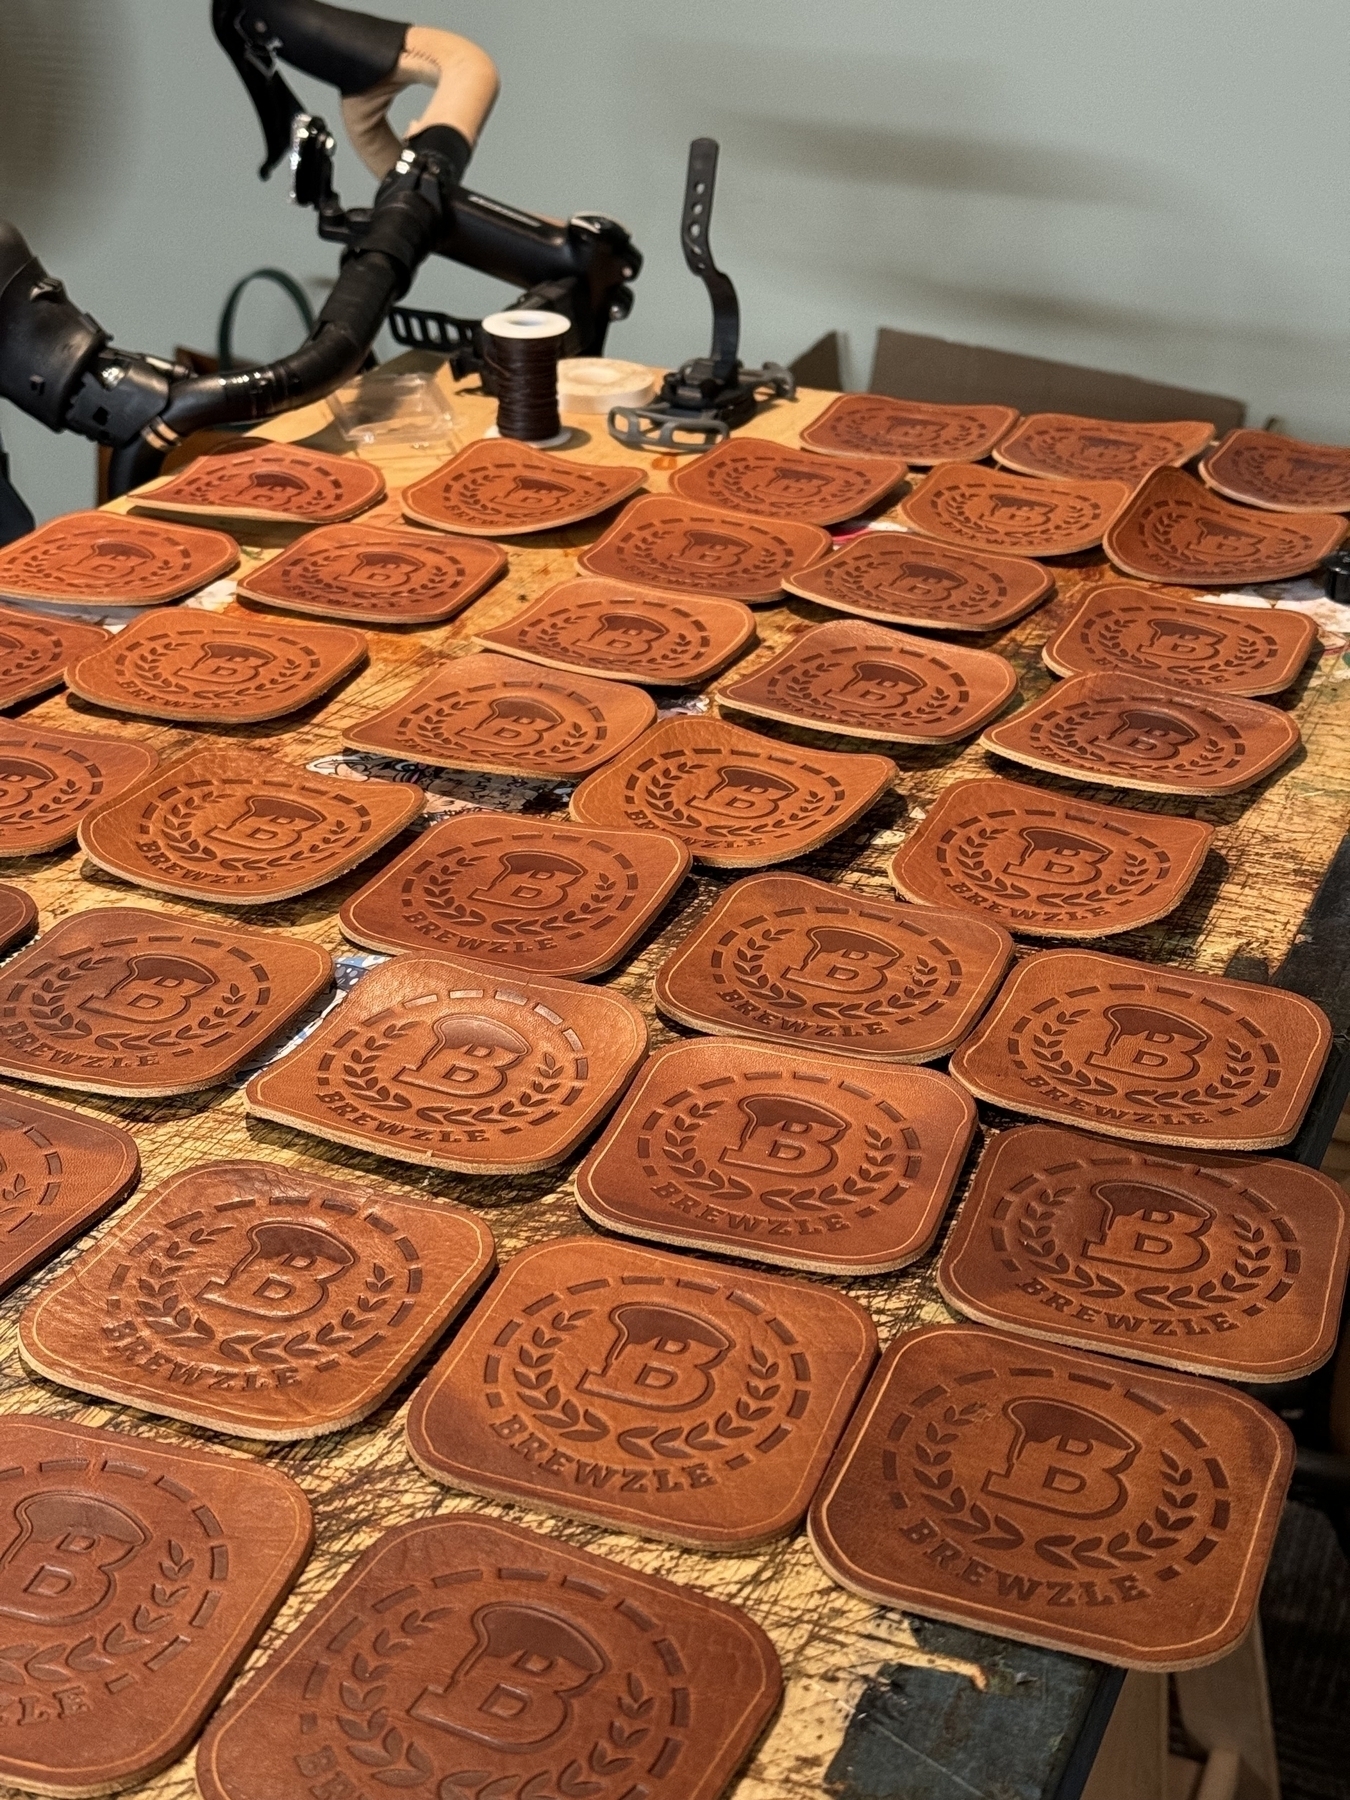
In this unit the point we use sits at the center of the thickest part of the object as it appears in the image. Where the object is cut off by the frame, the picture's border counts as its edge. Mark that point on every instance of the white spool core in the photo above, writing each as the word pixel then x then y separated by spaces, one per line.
pixel 593 384
pixel 525 324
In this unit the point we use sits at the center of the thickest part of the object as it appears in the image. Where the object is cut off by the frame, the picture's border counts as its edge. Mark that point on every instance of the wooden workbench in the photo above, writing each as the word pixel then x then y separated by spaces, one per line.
pixel 876 1705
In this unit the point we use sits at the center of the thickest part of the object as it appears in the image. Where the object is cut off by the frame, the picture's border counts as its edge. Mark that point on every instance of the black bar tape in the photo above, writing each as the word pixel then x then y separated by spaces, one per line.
pixel 451 147
pixel 351 51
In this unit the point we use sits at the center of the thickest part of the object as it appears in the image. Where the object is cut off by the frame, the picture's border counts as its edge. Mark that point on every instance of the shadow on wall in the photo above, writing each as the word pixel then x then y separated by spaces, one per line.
pixel 62 116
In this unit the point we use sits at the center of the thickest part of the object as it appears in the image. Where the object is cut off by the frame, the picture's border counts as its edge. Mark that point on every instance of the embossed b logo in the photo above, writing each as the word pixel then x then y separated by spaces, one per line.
pixel 532 880
pixel 62 1564
pixel 924 581
pixel 1145 1227
pixel 516 1687
pixel 516 720
pixel 1063 1459
pixel 228 664
pixel 469 1058
pixel 744 794
pixel 268 822
pixel 844 962
pixel 712 549
pixel 1058 857
pixel 1150 735
pixel 383 570
pixel 882 684
pixel 627 634
pixel 661 1358
pixel 108 558
pixel 1180 638
pixel 154 991
pixel 285 1274
pixel 20 779
pixel 1145 1044
pixel 786 1137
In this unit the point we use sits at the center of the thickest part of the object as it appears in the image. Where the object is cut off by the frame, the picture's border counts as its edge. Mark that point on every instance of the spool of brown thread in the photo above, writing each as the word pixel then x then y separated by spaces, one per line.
pixel 520 349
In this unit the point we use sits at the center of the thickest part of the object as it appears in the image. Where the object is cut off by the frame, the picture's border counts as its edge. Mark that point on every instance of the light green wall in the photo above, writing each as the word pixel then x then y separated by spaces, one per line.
pixel 1154 186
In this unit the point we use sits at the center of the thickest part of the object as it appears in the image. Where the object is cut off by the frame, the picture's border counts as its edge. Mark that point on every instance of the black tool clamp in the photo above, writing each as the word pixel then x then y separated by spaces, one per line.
pixel 702 401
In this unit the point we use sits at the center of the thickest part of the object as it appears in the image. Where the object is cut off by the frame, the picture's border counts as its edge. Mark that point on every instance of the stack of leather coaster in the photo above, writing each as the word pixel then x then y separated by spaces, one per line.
pixel 205 668
pixel 294 1304
pixel 268 482
pixel 241 828
pixel 523 1664
pixel 51 780
pixel 369 576
pixel 678 1399
pixel 444 1064
pixel 505 489
pixel 1175 529
pixel 1281 474
pixel 492 713
pixel 672 543
pixel 106 559
pixel 627 633
pixel 523 894
pixel 737 799
pixel 917 430
pixel 864 681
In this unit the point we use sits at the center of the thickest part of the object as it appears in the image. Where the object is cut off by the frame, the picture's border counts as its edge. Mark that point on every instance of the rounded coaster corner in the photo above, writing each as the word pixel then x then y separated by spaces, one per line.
pixel 900 578
pixel 662 541
pixel 919 431
pixel 979 508
pixel 376 575
pixel 267 481
pixel 1175 530
pixel 113 559
pixel 773 481
pixel 1066 446
pixel 499 488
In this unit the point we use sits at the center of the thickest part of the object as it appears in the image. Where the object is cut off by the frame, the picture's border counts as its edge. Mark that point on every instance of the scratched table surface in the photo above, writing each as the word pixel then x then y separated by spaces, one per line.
pixel 876 1704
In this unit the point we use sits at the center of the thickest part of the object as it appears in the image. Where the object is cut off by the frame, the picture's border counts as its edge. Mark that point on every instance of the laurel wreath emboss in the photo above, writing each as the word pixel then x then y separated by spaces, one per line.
pixel 658 796
pixel 59 1664
pixel 49 1013
pixel 970 855
pixel 943 1495
pixel 537 1388
pixel 748 963
pixel 164 1310
pixel 1248 1265
pixel 1047 1048
pixel 679 1149
pixel 398 1760
pixel 178 830
pixel 362 1079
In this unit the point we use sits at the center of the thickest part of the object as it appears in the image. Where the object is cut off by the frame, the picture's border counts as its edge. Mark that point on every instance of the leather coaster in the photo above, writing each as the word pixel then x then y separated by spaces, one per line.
pixel 794 1159
pixel 900 579
pixel 269 481
pixel 611 629
pixel 629 1387
pixel 1128 733
pixel 497 488
pixel 1042 865
pixel 979 508
pixel 876 425
pixel 1057 1498
pixel 131 1564
pixel 497 715
pixel 1065 445
pixel 774 481
pixel 108 559
pixel 864 681
pixel 449 1065
pixel 1119 627
pixel 1143 1051
pixel 61 1170
pixel 738 800
pixel 525 1665
pixel 371 576
pixel 826 968
pixel 121 1000
pixel 18 916
pixel 50 779
pixel 240 827
pixel 1282 474
pixel 216 668
pixel 1175 530
pixel 527 895
pixel 665 542
pixel 259 1301
pixel 1234 1266
pixel 35 652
